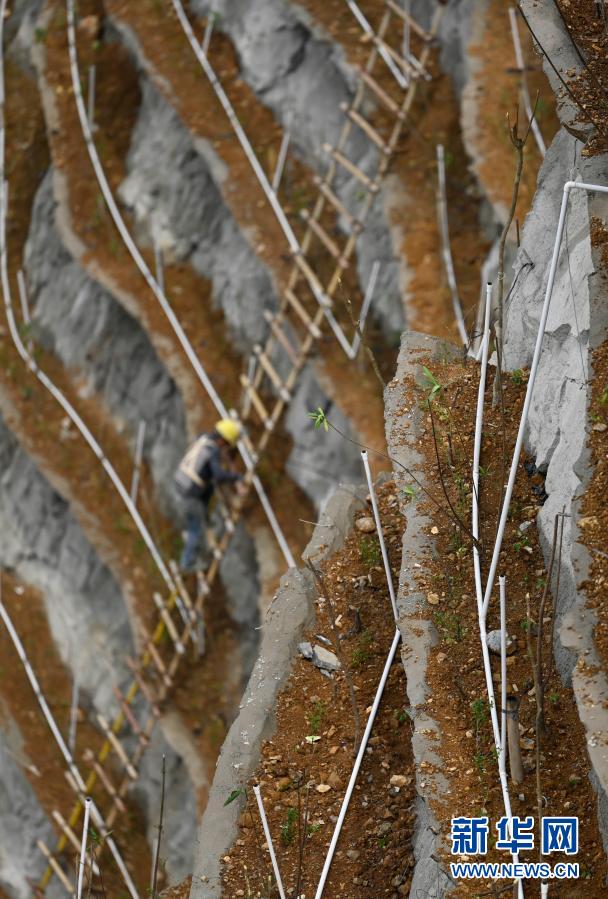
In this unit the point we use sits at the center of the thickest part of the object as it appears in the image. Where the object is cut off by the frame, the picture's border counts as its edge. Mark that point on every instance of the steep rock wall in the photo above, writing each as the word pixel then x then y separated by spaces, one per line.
pixel 556 436
pixel 90 332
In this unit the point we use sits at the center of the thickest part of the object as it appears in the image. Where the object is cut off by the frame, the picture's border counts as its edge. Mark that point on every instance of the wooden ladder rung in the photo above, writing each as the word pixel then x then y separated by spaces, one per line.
pixel 158 663
pixel 256 402
pixel 71 836
pixel 410 20
pixel 130 717
pixel 118 748
pixel 302 314
pixel 168 622
pixel 280 335
pixel 272 373
pixel 350 167
pixel 403 63
pixel 143 686
pixel 181 587
pixel 340 208
pixel 89 757
pixel 313 282
pixel 378 91
pixel 365 126
pixel 327 241
pixel 58 870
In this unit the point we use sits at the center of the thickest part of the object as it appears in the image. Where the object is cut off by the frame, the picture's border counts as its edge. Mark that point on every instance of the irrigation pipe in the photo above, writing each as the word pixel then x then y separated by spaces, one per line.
pixel 377 698
pixel 367 301
pixel 294 245
pixel 446 251
pixel 73 717
pixel 379 531
pixel 519 58
pixel 152 283
pixel 83 846
pixel 568 187
pixel 487 666
pixel 357 765
pixel 273 858
pixel 96 815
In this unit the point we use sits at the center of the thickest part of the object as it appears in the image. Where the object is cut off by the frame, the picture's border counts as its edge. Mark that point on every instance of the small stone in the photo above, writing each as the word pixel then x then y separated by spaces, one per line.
pixel 469 734
pixel 493 641
pixel 323 788
pixel 600 426
pixel 324 658
pixel 353 854
pixel 433 599
pixel 365 525
pixel 523 527
pixel 305 649
pixel 441 657
pixel 283 783
pixel 434 529
pixel 399 780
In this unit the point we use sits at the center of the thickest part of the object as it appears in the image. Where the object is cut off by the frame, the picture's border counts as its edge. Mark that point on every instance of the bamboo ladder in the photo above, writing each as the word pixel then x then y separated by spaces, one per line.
pixel 270 394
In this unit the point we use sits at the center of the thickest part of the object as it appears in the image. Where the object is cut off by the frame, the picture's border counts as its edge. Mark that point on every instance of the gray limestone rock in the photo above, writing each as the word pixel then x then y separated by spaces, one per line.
pixel 91 333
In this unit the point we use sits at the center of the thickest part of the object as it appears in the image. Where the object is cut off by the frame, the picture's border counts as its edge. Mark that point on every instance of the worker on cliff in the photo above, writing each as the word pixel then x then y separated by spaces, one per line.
pixel 196 478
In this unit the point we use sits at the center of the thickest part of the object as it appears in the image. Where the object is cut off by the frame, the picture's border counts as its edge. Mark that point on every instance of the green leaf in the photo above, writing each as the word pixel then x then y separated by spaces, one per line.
pixel 313 738
pixel 409 490
pixel 432 380
pixel 234 795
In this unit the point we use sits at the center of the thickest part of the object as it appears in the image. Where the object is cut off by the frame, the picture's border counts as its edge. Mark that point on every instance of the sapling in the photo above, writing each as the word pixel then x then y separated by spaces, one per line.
pixel 160 832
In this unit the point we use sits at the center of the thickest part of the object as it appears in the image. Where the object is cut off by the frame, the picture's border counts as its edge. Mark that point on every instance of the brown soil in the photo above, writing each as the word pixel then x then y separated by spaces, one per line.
pixel 40 758
pixel 459 698
pixel 593 523
pixel 498 88
pixel 588 30
pixel 378 828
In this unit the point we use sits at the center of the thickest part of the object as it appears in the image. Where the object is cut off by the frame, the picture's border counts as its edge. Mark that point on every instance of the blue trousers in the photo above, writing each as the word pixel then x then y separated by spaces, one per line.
pixel 195 517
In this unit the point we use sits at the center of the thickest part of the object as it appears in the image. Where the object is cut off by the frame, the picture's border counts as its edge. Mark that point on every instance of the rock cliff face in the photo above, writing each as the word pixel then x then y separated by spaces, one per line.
pixel 91 333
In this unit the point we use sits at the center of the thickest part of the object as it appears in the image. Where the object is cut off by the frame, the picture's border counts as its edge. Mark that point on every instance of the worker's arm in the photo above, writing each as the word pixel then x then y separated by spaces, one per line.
pixel 219 474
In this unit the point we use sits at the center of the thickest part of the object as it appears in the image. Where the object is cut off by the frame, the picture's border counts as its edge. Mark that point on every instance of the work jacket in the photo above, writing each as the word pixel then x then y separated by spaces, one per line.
pixel 201 469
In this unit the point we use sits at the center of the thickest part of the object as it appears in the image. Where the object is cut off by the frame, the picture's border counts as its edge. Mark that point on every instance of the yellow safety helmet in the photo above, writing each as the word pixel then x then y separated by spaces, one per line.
pixel 228 430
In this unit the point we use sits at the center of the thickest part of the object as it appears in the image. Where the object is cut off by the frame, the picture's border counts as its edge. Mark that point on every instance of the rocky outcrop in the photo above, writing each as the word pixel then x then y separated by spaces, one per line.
pixel 557 426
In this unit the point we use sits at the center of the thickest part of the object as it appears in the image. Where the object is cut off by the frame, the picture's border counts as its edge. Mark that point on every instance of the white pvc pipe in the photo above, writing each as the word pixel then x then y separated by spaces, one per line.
pixel 503 673
pixel 367 301
pixel 139 453
pixel 73 717
pixel 23 298
pixel 83 846
pixel 400 77
pixel 357 765
pixel 446 251
pixel 152 284
pixel 91 98
pixel 387 567
pixel 487 666
pixel 207 36
pixel 98 819
pixel 568 186
pixel 278 172
pixel 273 858
pixel 159 267
pixel 538 137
